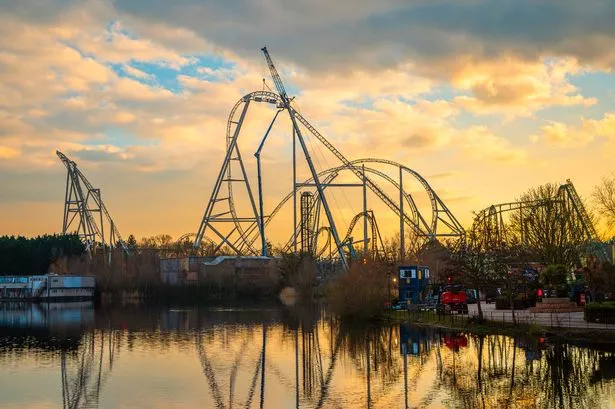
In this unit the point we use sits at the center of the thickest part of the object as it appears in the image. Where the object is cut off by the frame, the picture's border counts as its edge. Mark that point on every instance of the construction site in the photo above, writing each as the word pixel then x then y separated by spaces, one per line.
pixel 336 209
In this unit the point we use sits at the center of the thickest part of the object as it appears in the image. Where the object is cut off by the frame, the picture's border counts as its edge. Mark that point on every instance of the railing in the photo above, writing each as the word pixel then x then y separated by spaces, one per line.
pixel 562 320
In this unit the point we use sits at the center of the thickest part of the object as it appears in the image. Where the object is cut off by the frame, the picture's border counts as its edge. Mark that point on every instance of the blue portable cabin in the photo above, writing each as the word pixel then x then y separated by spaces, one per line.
pixel 413 283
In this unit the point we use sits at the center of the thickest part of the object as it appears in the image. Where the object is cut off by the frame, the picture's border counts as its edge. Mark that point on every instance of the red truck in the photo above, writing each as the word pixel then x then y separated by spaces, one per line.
pixel 452 299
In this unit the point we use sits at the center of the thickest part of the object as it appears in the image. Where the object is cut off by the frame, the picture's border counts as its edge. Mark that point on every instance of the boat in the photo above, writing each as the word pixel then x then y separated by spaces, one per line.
pixel 48 287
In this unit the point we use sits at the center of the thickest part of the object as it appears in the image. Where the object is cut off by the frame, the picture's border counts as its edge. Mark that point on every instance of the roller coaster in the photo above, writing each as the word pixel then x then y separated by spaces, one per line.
pixel 236 221
pixel 492 226
pixel 239 228
pixel 85 212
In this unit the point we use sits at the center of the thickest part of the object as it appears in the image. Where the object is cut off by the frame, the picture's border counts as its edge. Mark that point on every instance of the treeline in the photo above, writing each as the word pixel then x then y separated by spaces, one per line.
pixel 167 246
pixel 24 256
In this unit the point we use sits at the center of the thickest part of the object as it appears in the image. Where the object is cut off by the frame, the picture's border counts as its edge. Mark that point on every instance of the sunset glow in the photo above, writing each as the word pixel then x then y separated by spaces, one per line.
pixel 482 98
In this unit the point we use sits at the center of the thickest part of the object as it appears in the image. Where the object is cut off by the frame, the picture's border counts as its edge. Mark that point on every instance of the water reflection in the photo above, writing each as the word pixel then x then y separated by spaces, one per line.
pixel 274 357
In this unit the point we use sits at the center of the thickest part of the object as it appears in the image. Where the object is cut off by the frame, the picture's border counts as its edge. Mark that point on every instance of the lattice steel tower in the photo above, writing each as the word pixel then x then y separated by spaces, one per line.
pixel 85 212
pixel 307 219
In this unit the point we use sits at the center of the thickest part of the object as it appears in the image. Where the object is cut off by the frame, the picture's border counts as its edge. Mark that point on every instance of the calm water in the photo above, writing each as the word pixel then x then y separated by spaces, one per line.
pixel 276 357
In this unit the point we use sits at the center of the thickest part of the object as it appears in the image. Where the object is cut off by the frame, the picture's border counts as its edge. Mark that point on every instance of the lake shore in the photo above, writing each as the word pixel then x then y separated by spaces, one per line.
pixel 488 327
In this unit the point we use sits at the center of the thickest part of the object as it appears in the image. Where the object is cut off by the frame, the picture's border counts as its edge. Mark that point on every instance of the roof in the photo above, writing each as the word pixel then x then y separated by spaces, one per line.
pixel 220 259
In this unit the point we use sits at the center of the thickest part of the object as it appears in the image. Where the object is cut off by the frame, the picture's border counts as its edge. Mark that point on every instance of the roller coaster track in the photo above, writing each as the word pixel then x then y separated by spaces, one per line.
pixel 489 227
pixel 418 223
pixel 77 204
pixel 242 237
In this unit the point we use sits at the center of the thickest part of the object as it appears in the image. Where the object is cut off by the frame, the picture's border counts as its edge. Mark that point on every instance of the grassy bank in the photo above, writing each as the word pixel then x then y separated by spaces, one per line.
pixel 486 327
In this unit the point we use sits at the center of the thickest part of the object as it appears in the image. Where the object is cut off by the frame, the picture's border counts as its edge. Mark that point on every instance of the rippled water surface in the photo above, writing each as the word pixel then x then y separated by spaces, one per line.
pixel 74 356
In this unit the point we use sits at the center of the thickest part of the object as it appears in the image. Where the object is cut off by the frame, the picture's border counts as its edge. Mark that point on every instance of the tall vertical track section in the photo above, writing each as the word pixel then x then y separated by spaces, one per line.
pixel 238 228
pixel 85 212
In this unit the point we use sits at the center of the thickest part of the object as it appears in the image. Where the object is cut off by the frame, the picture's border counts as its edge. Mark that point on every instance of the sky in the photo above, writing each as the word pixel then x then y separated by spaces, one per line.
pixel 484 98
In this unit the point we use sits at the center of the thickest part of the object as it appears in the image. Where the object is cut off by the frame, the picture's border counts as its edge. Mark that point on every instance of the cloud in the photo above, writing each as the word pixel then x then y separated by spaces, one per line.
pixel 327 37
pixel 479 142
pixel 117 46
pixel 8 152
pixel 564 135
pixel 510 86
pixel 103 153
pixel 140 91
pixel 134 72
pixel 333 37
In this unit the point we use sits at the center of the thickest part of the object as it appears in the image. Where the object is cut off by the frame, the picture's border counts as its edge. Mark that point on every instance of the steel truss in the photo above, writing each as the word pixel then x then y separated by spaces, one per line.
pixel 375 244
pixel 490 228
pixel 442 225
pixel 85 212
pixel 239 232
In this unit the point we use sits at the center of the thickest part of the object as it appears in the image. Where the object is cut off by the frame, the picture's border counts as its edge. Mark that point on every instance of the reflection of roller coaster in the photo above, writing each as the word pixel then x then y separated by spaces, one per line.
pixel 312 377
pixel 85 373
pixel 492 225
pixel 240 228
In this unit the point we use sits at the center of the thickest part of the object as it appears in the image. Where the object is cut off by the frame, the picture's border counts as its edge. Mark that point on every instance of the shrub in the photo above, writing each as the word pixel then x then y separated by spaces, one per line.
pixel 554 275
pixel 299 272
pixel 503 303
pixel 600 312
pixel 361 292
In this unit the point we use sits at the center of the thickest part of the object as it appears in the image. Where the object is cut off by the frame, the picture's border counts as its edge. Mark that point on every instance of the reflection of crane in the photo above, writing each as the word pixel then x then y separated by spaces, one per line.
pixel 85 212
pixel 314 367
pixel 94 364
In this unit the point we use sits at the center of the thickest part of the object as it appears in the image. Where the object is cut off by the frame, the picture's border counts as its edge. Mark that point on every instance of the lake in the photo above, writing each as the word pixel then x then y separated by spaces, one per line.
pixel 253 356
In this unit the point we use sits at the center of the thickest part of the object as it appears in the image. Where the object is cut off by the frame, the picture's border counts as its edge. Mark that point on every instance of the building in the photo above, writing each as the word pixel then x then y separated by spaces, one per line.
pixel 246 274
pixel 48 287
pixel 413 284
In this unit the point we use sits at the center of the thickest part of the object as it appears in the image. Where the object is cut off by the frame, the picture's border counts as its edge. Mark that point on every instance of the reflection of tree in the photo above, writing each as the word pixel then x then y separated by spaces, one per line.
pixel 566 377
pixel 372 346
pixel 493 374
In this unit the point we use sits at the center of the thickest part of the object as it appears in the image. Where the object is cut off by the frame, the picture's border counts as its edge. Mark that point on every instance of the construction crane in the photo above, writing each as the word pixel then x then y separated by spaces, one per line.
pixel 291 112
pixel 239 227
pixel 296 116
pixel 85 212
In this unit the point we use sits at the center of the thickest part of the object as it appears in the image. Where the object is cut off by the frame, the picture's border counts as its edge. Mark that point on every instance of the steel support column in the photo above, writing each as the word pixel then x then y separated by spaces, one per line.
pixel 402 244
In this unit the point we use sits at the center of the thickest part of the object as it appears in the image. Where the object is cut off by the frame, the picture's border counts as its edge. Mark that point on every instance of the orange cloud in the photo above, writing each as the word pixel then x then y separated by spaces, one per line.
pixel 513 87
pixel 563 135
pixel 8 153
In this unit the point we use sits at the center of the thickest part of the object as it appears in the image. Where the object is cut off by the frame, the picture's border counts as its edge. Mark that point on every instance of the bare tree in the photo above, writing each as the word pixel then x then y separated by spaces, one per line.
pixel 546 226
pixel 479 268
pixel 604 198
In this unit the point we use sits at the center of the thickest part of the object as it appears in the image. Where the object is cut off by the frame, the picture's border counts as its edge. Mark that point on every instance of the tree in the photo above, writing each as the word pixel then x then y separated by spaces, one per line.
pixel 545 227
pixel 478 268
pixel 509 265
pixel 554 277
pixel 131 242
pixel 604 199
pixel 23 256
